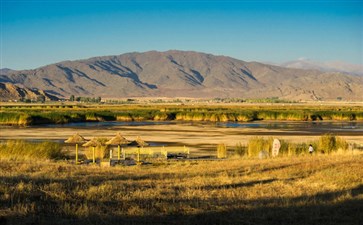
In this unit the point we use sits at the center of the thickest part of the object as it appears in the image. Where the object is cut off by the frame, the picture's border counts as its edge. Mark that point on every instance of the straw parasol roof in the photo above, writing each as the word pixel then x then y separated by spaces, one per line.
pixel 76 139
pixel 118 140
pixel 92 143
pixel 139 142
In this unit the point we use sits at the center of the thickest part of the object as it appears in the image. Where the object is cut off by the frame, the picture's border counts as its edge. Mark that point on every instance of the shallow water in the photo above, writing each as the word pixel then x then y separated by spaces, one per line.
pixel 328 126
pixel 345 126
pixel 104 124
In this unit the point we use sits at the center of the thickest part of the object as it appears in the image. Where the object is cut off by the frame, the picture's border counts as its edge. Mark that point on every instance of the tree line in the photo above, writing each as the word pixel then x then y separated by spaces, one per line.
pixel 73 98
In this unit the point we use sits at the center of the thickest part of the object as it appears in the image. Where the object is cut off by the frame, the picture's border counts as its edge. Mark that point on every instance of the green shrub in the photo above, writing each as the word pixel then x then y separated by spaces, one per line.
pixel 326 143
pixel 245 116
pixel 341 144
pixel 240 150
pixel 297 149
pixel 160 116
pixel 284 148
pixel 329 143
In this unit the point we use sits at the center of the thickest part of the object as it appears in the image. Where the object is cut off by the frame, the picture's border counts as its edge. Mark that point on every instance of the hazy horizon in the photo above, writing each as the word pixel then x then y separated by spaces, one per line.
pixel 38 33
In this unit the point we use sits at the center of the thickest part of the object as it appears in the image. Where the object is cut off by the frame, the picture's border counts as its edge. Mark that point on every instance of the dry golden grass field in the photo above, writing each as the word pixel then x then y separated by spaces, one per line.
pixel 324 189
pixel 318 189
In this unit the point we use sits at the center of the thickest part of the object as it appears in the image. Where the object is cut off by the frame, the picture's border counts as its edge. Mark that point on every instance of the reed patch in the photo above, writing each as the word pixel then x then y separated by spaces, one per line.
pixel 28 115
pixel 24 150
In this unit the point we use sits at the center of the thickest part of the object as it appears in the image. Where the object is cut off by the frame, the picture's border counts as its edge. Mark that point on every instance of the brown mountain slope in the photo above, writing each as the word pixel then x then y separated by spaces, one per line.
pixel 185 74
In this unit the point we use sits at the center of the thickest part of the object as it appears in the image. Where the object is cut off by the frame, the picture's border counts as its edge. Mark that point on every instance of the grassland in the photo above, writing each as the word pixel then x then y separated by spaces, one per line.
pixel 45 114
pixel 323 189
pixel 292 189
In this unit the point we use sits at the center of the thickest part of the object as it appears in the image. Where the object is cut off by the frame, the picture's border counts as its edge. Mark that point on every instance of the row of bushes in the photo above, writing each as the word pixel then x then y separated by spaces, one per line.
pixel 33 118
pixel 327 143
pixel 46 117
pixel 21 149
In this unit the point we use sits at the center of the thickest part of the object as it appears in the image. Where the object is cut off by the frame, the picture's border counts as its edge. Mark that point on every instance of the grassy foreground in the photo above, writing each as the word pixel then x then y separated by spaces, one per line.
pixel 322 189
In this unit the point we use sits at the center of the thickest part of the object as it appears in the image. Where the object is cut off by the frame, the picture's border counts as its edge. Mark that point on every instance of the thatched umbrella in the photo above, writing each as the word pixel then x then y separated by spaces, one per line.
pixel 139 143
pixel 118 140
pixel 76 139
pixel 92 143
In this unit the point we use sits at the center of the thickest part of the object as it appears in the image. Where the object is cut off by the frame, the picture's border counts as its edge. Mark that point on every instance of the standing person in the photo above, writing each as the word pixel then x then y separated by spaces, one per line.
pixel 311 149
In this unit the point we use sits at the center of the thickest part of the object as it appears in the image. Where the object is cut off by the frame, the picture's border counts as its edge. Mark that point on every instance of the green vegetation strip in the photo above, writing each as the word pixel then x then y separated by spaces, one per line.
pixel 30 116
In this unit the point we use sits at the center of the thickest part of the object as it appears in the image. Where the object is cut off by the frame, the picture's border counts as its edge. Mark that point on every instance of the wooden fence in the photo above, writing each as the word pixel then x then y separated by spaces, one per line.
pixel 149 152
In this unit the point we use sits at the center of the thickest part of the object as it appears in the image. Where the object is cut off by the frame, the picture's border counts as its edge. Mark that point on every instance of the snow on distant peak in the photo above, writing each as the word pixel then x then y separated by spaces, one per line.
pixel 331 66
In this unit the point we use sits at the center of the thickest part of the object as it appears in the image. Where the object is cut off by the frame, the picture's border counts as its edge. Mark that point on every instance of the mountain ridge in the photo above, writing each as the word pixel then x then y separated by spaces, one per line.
pixel 9 91
pixel 184 74
pixel 328 66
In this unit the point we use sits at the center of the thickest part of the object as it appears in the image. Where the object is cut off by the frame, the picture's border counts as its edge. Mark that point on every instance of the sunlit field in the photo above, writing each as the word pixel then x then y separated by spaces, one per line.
pixel 318 189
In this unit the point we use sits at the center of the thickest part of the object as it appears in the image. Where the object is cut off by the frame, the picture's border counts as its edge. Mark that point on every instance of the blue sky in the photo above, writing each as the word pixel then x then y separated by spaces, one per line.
pixel 36 33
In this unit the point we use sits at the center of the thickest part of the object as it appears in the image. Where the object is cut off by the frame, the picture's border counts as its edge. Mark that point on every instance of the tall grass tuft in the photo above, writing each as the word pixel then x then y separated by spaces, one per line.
pixel 21 150
pixel 328 143
pixel 257 144
pixel 241 150
pixel 160 116
pixel 341 144
pixel 295 149
pixel 15 118
pixel 221 151
pixel 284 148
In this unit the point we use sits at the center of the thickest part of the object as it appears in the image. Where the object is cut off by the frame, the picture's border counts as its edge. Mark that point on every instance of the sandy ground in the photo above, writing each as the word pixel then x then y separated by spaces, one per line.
pixel 202 137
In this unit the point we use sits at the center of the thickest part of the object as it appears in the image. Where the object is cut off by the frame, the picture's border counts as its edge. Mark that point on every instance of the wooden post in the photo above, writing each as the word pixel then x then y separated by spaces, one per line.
pixel 165 153
pixel 123 153
pixel 93 154
pixel 186 150
pixel 138 155
pixel 76 153
pixel 118 153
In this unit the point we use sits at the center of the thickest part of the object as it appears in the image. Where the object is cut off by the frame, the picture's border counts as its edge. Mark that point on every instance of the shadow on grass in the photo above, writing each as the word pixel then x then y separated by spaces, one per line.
pixel 322 209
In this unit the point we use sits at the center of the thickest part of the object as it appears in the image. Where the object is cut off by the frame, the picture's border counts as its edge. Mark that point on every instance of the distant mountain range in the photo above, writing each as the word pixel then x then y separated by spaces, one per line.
pixel 4 71
pixel 334 66
pixel 182 74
